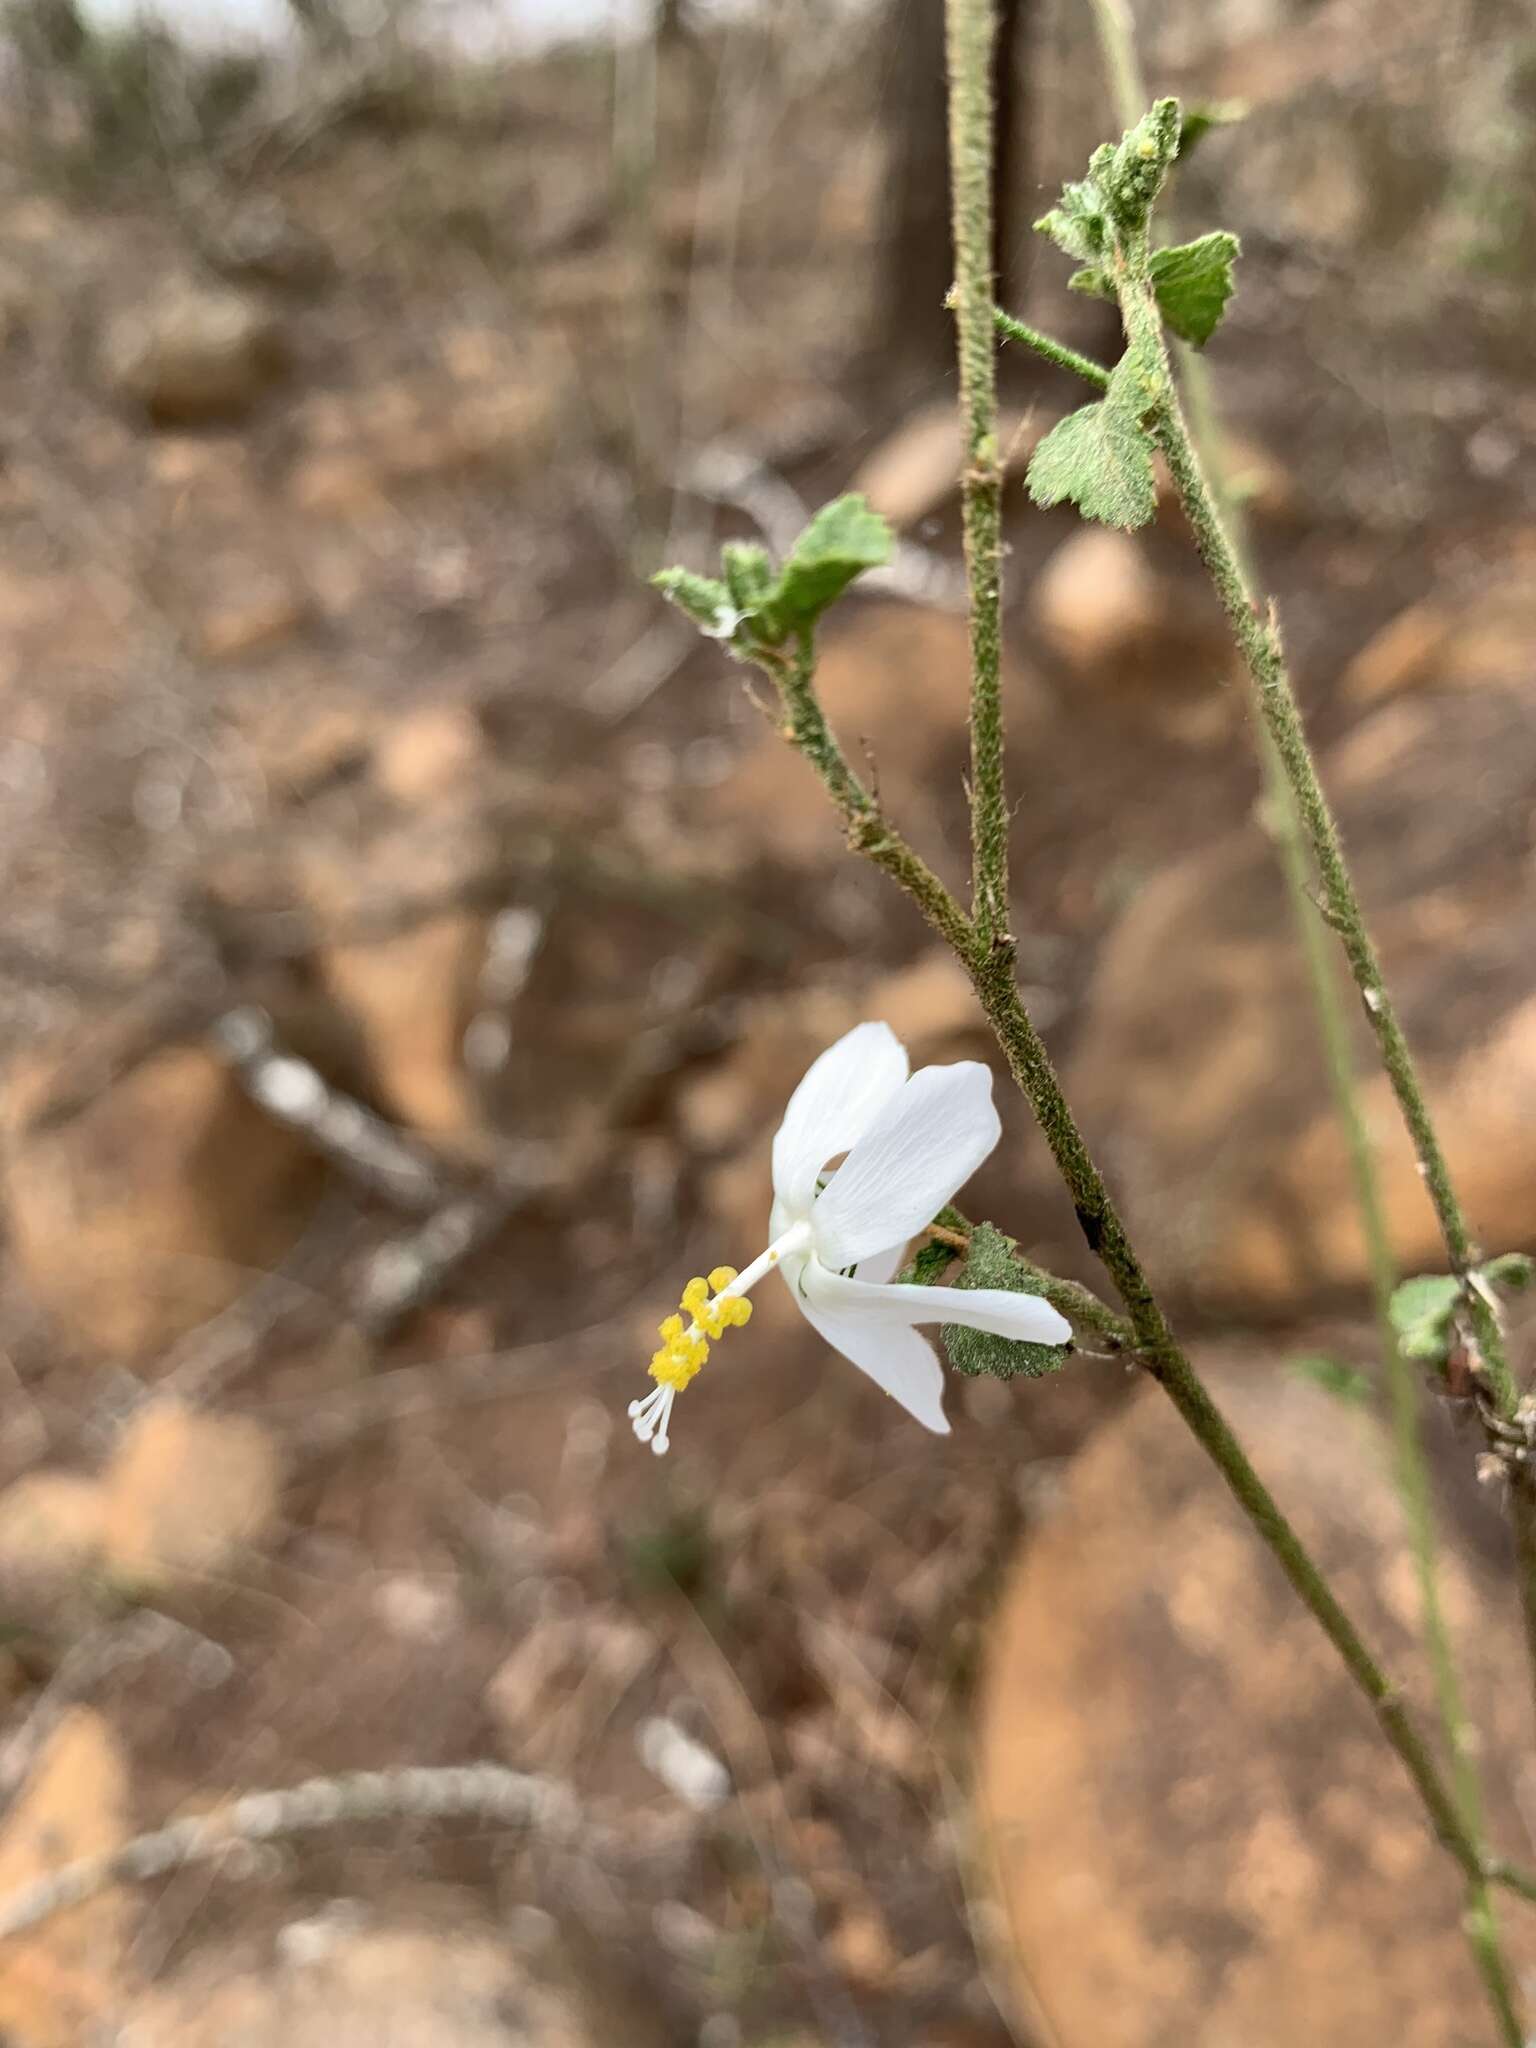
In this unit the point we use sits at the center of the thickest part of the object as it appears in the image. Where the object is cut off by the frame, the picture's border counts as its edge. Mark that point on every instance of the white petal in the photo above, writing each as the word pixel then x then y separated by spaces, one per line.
pixel 882 1266
pixel 896 1359
pixel 839 1098
pixel 879 1266
pixel 926 1142
pixel 996 1309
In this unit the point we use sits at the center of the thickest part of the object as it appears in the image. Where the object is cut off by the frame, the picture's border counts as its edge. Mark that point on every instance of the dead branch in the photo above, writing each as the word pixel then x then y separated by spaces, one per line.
pixel 366 1147
pixel 483 1791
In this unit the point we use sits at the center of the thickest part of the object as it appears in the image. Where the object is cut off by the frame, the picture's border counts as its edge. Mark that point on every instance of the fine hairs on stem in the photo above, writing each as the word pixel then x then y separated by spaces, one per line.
pixel 991 969
pixel 1410 1467
pixel 1102 459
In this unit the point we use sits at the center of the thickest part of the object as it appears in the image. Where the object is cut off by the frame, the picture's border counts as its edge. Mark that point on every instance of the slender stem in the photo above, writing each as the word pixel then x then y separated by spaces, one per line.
pixel 869 832
pixel 970 34
pixel 1155 1344
pixel 1289 805
pixel 1302 805
pixel 984 947
pixel 1258 637
pixel 1055 352
pixel 1410 1469
pixel 1482 1932
pixel 1117 46
pixel 1259 641
pixel 1078 1303
pixel 1521 1882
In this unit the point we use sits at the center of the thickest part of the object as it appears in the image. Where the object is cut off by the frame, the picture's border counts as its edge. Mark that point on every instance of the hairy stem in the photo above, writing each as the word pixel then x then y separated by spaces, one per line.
pixel 1078 1303
pixel 1258 638
pixel 1156 1347
pixel 1301 805
pixel 970 32
pixel 1410 1468
pixel 1117 44
pixel 869 832
pixel 1122 64
pixel 1055 352
pixel 989 958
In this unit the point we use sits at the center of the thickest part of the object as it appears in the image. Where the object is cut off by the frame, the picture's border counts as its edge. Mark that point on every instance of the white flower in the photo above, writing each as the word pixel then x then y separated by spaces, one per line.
pixel 911 1142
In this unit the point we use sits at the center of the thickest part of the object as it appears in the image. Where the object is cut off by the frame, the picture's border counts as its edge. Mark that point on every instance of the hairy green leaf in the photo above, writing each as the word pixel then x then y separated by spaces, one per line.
pixel 1094 280
pixel 748 573
pixel 705 599
pixel 1193 283
pixel 1514 1270
pixel 843 540
pixel 990 1263
pixel 1100 457
pixel 1422 1311
pixel 1078 224
pixel 1130 174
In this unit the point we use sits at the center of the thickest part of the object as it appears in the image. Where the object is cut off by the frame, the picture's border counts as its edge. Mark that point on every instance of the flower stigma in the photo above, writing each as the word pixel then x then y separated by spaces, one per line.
pixel 712 1307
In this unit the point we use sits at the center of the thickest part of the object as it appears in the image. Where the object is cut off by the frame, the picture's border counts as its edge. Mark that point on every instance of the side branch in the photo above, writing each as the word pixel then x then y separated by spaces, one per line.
pixel 870 832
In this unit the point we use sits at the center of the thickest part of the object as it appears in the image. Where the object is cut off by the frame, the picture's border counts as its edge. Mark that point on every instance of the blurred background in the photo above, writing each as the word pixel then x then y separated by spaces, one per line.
pixel 413 933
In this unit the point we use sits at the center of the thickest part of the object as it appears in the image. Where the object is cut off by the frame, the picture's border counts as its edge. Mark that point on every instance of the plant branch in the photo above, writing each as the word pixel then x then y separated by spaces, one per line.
pixel 1078 1303
pixel 983 945
pixel 1257 633
pixel 1521 1882
pixel 1299 806
pixel 1117 42
pixel 1260 644
pixel 970 34
pixel 1117 47
pixel 1055 352
pixel 869 831
pixel 1258 636
pixel 1156 1347
pixel 452 1792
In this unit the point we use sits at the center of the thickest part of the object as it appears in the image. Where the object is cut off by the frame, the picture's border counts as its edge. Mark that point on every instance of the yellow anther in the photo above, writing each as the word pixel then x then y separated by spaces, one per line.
pixel 679 1356
pixel 709 1314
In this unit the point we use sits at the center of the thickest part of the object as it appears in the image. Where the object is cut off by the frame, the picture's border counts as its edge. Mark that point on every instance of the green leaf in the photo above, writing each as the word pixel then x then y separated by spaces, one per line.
pixel 1199 120
pixel 1422 1311
pixel 748 573
pixel 1079 224
pixel 990 1263
pixel 1094 280
pixel 1193 283
pixel 706 601
pixel 1513 1270
pixel 1342 1381
pixel 1131 174
pixel 843 540
pixel 1100 457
